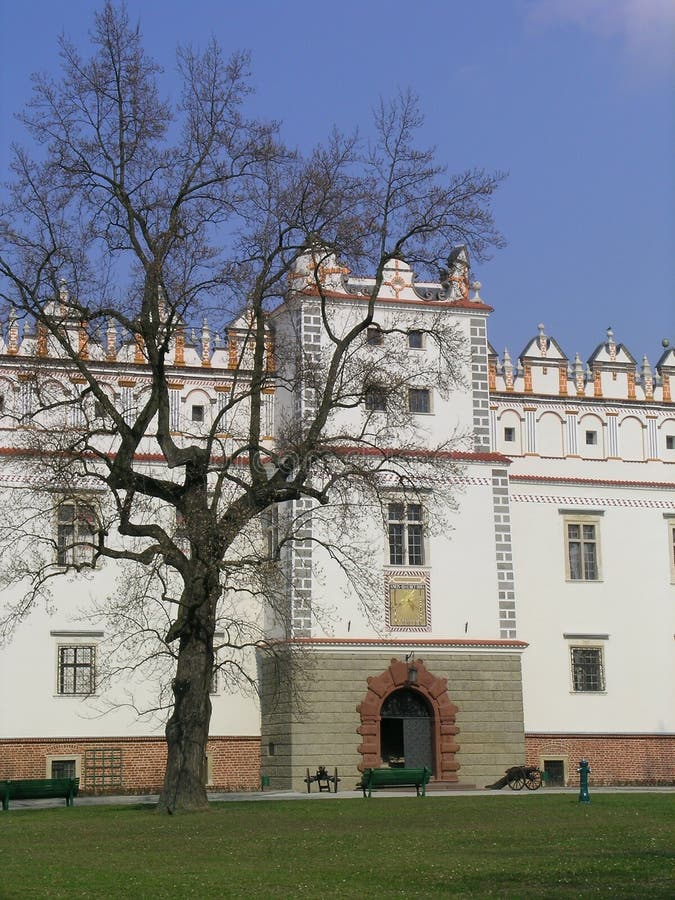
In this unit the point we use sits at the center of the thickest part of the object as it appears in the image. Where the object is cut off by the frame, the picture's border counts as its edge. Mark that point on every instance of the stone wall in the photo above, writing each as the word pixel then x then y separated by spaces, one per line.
pixel 315 719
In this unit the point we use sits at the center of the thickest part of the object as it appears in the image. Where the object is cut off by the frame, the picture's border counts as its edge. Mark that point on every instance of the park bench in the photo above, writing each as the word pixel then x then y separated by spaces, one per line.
pixel 38 789
pixel 373 779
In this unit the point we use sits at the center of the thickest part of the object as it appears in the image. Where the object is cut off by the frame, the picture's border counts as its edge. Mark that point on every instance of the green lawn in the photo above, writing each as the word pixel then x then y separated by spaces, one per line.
pixel 619 845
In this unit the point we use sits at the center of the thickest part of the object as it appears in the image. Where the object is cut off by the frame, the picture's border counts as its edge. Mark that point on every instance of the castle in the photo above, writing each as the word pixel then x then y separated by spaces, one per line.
pixel 532 621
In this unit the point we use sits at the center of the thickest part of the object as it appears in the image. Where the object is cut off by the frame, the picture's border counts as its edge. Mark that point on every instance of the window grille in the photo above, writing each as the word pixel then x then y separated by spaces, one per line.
pixel 587 669
pixel 76 670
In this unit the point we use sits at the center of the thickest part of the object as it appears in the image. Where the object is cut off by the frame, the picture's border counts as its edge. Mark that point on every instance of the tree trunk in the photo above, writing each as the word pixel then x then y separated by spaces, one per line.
pixel 187 730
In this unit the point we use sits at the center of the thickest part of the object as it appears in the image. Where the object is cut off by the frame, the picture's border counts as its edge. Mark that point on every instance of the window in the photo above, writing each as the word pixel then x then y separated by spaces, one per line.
pixel 197 413
pixel 74 534
pixel 416 340
pixel 587 669
pixel 509 435
pixel 581 537
pixel 76 669
pixel 671 548
pixel 374 336
pixel 670 441
pixel 419 400
pixel 591 438
pixel 406 534
pixel 63 768
pixel 375 398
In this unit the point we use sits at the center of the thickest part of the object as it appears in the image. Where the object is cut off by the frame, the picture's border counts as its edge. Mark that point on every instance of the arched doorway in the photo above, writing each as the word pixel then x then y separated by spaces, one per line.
pixel 434 692
pixel 406 730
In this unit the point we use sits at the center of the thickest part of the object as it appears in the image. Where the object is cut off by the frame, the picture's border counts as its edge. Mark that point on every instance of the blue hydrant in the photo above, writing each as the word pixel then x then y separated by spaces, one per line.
pixel 584 771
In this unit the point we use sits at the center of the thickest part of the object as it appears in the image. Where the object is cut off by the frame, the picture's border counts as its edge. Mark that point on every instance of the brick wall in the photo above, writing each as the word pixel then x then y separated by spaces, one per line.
pixel 640 759
pixel 234 761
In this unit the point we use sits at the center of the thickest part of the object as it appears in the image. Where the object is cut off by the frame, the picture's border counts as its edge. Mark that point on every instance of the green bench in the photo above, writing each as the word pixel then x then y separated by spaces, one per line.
pixel 39 789
pixel 373 779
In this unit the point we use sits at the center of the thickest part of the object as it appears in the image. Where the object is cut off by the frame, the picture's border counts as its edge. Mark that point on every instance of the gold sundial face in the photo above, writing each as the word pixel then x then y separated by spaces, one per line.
pixel 407 605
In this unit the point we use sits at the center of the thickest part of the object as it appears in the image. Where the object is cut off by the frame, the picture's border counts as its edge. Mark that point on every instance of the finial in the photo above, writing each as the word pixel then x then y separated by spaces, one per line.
pixel 476 285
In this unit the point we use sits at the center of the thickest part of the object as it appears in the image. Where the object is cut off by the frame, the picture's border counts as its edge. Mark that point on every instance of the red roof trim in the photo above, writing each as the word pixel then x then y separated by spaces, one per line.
pixel 450 304
pixel 412 640
pixel 555 479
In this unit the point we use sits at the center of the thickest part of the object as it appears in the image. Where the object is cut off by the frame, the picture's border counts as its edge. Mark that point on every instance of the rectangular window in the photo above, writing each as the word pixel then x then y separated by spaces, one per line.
pixel 375 398
pixel 76 670
pixel 197 413
pixel 591 437
pixel 587 669
pixel 63 768
pixel 374 336
pixel 74 534
pixel 509 435
pixel 419 400
pixel 416 340
pixel 583 558
pixel 670 442
pixel 406 534
pixel 671 549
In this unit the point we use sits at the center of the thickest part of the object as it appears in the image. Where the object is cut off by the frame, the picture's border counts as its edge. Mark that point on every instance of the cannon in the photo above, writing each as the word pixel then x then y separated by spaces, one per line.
pixel 519 777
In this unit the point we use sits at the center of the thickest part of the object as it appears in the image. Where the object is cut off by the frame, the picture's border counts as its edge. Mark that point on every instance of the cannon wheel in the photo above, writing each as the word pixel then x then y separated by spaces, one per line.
pixel 533 780
pixel 309 780
pixel 516 779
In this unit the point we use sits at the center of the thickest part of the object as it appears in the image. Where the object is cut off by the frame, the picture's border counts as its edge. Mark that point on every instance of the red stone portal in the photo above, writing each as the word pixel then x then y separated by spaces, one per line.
pixel 435 691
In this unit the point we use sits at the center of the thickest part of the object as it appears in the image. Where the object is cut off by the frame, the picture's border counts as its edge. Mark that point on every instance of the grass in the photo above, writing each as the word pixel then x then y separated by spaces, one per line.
pixel 619 845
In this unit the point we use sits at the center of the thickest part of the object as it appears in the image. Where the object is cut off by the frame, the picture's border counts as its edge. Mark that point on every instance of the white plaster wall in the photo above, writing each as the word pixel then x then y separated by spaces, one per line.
pixel 462 564
pixel 633 603
pixel 550 434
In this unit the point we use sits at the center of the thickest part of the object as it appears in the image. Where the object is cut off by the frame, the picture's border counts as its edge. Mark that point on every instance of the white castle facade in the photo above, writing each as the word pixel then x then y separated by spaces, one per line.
pixel 535 622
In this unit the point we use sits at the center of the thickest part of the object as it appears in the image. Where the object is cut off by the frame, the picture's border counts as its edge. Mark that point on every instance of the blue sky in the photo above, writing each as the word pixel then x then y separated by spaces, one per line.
pixel 574 98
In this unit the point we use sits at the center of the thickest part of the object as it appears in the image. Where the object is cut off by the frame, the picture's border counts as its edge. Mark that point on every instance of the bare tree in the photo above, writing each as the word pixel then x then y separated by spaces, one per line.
pixel 135 216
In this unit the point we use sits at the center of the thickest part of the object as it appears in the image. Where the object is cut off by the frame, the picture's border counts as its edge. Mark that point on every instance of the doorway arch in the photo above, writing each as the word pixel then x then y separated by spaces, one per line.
pixel 406 725
pixel 429 690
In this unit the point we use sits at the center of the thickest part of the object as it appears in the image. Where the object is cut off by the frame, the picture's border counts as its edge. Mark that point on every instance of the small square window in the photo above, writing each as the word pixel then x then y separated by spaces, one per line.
pixel 416 340
pixel 591 437
pixel 374 336
pixel 419 400
pixel 375 398
pixel 588 674
pixel 670 442
pixel 509 435
pixel 63 768
pixel 198 413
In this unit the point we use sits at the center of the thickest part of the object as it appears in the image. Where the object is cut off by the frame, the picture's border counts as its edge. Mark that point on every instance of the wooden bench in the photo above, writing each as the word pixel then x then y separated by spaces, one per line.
pixel 39 789
pixel 373 779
